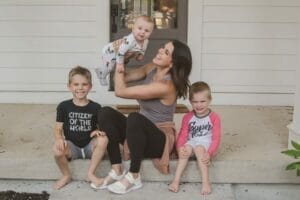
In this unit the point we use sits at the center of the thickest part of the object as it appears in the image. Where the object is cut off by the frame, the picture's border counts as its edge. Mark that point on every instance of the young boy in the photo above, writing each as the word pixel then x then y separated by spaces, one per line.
pixel 76 134
pixel 133 45
pixel 200 134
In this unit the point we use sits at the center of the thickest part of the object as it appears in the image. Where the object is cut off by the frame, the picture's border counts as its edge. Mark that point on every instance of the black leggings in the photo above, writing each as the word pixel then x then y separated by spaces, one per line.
pixel 144 139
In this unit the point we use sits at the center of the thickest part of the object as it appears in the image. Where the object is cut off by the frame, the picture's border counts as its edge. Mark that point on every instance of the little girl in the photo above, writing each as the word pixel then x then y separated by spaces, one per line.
pixel 200 134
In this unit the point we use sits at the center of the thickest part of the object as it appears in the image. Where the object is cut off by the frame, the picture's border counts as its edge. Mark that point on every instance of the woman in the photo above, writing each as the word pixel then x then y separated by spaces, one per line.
pixel 149 133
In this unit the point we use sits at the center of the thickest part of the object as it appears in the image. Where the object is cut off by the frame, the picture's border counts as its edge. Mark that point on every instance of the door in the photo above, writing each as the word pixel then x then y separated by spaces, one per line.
pixel 170 22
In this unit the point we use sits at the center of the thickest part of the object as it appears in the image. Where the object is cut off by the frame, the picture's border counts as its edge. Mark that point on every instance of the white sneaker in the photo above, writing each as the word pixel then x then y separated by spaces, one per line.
pixel 119 188
pixel 109 179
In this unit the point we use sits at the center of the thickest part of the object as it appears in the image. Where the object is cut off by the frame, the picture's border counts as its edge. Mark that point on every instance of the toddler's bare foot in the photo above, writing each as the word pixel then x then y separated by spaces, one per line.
pixel 62 182
pixel 174 186
pixel 95 180
pixel 206 189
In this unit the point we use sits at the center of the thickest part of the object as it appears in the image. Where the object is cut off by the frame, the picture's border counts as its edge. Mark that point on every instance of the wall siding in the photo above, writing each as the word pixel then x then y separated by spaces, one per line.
pixel 249 50
pixel 245 49
pixel 40 41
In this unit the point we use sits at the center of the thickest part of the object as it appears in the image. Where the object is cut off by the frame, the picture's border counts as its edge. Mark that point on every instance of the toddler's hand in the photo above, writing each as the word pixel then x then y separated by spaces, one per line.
pixel 182 151
pixel 120 68
pixel 206 159
pixel 97 133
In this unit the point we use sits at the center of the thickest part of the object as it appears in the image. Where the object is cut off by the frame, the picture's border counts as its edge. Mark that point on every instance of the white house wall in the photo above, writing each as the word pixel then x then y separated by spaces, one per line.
pixel 41 40
pixel 245 49
pixel 248 50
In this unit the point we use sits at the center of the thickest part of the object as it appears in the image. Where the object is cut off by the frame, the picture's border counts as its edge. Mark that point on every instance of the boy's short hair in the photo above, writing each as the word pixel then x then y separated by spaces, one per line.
pixel 81 71
pixel 199 86
pixel 146 18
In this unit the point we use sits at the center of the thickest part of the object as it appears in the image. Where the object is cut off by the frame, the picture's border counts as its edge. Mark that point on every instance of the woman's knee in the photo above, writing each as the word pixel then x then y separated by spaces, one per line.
pixel 133 124
pixel 105 113
pixel 134 118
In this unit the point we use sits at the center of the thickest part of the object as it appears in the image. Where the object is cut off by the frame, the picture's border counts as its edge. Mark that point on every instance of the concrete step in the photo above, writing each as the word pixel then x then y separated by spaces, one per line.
pixel 220 171
pixel 253 137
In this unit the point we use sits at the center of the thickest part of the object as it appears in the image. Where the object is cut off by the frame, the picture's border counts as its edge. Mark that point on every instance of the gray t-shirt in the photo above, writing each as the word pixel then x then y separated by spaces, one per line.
pixel 153 109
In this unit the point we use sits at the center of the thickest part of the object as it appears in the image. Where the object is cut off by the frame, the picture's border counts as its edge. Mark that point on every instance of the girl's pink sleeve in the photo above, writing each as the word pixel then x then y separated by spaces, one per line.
pixel 183 133
pixel 216 134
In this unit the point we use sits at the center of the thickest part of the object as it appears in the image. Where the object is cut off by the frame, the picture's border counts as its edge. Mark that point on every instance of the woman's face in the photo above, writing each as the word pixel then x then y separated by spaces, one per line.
pixel 164 55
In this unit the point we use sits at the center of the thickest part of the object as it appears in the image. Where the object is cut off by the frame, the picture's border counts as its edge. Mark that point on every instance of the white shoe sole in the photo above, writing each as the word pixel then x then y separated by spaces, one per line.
pixel 98 187
pixel 135 187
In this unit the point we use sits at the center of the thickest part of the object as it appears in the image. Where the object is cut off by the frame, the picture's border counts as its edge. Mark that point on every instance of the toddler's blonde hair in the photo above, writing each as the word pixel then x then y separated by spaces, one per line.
pixel 199 86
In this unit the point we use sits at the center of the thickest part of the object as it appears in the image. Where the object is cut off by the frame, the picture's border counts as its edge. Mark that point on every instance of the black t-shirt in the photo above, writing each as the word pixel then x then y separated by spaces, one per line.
pixel 78 121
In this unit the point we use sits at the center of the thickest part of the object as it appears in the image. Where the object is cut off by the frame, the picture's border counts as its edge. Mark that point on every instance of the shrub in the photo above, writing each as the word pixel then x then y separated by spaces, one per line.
pixel 295 153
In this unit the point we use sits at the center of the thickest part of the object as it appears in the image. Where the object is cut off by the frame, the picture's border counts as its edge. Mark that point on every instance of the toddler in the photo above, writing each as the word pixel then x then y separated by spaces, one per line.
pixel 200 134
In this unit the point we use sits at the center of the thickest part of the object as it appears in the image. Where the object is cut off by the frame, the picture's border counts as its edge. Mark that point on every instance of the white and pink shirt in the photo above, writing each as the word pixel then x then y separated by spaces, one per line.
pixel 205 129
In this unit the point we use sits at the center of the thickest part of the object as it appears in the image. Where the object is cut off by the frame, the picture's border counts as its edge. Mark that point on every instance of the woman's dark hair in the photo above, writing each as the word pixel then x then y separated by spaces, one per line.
pixel 182 66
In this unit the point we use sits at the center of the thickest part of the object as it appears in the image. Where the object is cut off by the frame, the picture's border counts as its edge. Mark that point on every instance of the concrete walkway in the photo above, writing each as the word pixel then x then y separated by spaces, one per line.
pixel 80 190
pixel 253 138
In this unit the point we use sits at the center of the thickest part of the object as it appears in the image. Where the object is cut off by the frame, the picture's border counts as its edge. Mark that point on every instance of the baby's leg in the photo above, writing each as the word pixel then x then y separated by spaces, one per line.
pixel 108 64
pixel 200 152
pixel 184 153
pixel 62 162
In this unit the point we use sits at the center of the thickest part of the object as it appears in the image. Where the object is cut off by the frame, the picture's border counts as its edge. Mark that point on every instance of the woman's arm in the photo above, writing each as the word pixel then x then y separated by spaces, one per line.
pixel 159 89
pixel 138 73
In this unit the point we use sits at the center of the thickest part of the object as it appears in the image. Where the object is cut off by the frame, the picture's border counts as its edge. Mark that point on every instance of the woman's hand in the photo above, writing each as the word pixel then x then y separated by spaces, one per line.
pixel 139 57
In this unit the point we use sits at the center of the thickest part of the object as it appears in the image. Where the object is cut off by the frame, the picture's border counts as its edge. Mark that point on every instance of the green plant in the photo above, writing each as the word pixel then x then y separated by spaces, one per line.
pixel 295 153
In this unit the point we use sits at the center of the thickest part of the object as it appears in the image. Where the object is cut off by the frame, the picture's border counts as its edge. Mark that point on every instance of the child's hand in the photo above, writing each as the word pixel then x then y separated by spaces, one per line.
pixel 206 159
pixel 183 152
pixel 61 144
pixel 120 68
pixel 97 133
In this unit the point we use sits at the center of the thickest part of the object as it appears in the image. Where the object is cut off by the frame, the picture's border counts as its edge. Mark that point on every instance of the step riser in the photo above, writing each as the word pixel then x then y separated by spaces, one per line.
pixel 220 172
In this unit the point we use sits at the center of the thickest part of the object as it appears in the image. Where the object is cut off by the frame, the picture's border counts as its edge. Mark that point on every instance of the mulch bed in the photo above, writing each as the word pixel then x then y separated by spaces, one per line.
pixel 12 195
